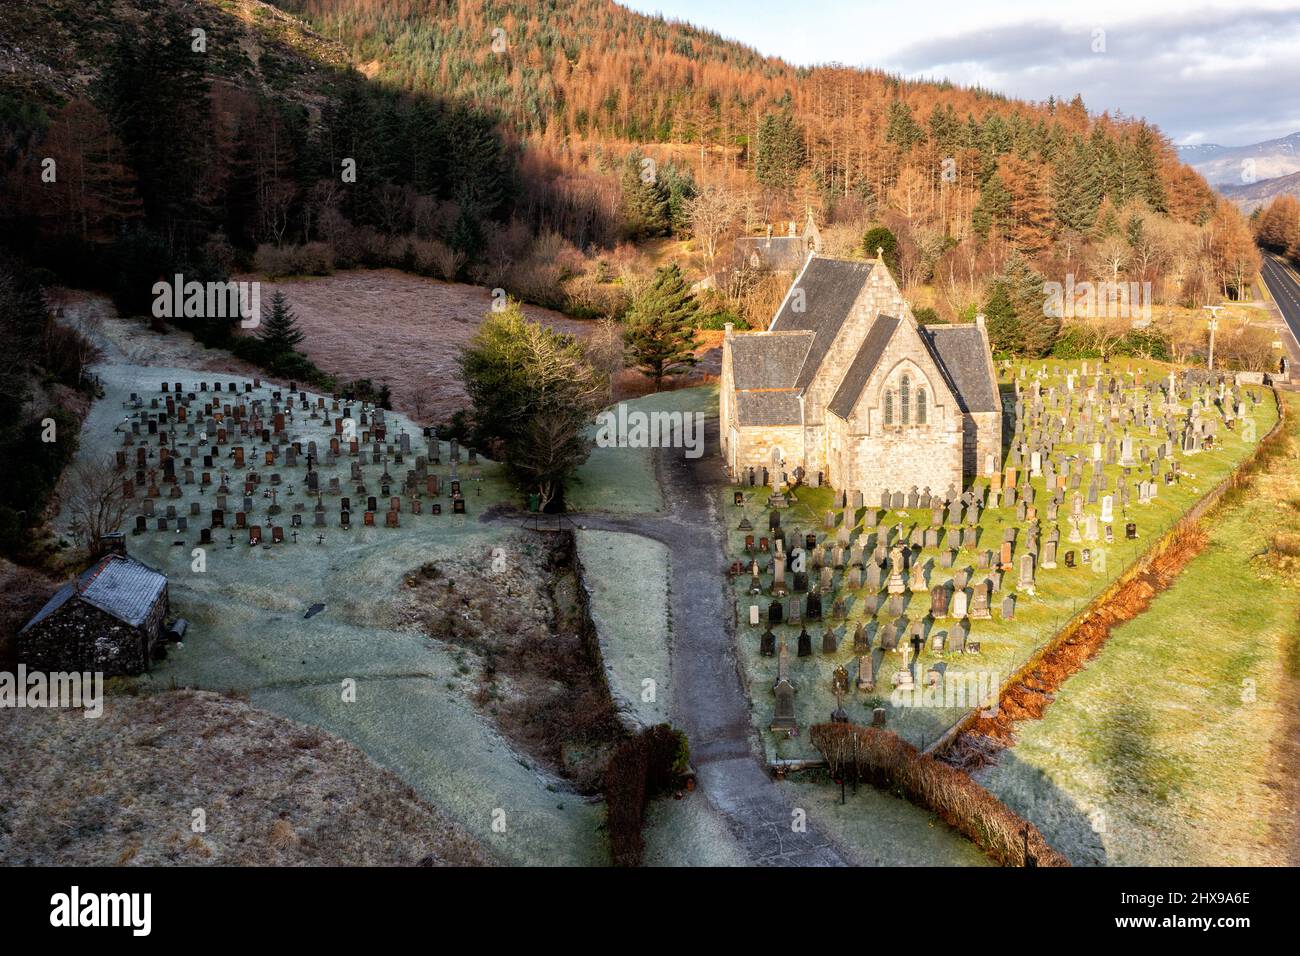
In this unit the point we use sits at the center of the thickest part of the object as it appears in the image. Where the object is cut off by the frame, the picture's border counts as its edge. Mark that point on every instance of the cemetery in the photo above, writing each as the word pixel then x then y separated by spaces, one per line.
pixel 285 534
pixel 845 604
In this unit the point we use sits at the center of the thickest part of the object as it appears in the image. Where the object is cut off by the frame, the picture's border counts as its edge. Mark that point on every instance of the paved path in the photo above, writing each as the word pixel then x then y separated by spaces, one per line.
pixel 709 699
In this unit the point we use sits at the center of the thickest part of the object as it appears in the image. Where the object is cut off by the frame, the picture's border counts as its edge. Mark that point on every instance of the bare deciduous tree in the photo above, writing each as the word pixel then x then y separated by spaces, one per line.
pixel 713 214
pixel 93 498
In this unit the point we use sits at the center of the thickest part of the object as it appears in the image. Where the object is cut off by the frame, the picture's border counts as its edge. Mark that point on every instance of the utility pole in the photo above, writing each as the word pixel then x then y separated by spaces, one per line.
pixel 1214 324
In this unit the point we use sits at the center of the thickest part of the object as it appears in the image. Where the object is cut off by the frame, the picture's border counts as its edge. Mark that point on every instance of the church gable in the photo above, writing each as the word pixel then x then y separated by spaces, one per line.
pixel 898 387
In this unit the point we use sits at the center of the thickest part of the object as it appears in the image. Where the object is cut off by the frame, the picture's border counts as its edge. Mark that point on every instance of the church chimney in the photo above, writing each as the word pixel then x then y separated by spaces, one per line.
pixel 979 319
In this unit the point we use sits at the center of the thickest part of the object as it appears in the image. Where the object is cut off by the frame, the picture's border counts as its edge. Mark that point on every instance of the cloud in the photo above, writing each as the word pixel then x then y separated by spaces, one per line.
pixel 1229 76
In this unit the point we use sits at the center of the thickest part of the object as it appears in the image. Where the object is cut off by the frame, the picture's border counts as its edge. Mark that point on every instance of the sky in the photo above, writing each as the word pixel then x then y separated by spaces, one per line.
pixel 1204 72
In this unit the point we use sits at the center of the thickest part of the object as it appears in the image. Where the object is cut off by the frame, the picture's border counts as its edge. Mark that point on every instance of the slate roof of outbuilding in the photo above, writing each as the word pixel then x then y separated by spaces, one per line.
pixel 962 357
pixel 767 408
pixel 119 586
pixel 778 253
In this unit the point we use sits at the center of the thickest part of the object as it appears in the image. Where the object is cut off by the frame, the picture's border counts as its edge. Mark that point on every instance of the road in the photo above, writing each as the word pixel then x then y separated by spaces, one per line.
pixel 1285 289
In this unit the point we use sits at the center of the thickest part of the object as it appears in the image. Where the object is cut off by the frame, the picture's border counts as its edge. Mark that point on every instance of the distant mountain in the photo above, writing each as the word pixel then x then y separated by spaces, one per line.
pixel 1243 165
pixel 1250 196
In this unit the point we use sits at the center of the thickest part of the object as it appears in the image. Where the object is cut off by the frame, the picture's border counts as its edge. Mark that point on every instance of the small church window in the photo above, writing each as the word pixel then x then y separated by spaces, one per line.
pixel 904 395
pixel 889 406
pixel 920 406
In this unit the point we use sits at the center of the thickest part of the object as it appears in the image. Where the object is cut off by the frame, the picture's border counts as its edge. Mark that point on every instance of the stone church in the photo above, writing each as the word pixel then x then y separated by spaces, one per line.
pixel 846 386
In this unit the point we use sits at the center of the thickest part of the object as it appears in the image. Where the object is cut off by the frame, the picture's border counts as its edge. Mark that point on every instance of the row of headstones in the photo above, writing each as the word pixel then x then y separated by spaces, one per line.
pixel 898 635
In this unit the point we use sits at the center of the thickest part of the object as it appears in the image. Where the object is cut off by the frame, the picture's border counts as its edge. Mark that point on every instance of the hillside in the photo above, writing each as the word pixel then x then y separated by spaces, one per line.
pixel 1250 196
pixel 589 75
pixel 506 144
pixel 54 49
pixel 1226 165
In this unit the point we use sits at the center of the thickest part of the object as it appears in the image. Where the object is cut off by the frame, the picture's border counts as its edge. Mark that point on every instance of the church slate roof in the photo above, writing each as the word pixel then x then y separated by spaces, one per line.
pixel 770 360
pixel 864 363
pixel 767 408
pixel 830 287
pixel 960 353
pixel 119 586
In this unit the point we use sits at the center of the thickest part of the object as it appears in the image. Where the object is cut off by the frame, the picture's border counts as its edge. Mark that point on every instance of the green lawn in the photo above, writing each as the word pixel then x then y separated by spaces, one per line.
pixel 876 828
pixel 1160 752
pixel 1060 593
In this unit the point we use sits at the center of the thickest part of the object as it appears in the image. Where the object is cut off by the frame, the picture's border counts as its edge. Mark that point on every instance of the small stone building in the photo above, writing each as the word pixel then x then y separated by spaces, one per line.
pixel 109 619
pixel 845 385
pixel 786 253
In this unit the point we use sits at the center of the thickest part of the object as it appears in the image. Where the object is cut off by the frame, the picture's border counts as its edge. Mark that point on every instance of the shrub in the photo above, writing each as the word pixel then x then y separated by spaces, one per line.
pixel 644 765
pixel 885 760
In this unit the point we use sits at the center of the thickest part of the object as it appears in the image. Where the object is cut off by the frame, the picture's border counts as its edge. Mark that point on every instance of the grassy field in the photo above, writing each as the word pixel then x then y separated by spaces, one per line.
pixel 622 480
pixel 1161 751
pixel 1060 593
pixel 627 578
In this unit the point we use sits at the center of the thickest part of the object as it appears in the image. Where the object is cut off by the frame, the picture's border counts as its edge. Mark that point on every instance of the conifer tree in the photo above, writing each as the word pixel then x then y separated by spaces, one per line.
pixel 1076 189
pixel 992 212
pixel 646 208
pixel 780 151
pixel 279 331
pixel 659 332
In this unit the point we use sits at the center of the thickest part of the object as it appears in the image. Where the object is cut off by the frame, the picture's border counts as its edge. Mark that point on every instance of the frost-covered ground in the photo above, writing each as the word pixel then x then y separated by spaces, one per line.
pixel 627 578
pixel 248 633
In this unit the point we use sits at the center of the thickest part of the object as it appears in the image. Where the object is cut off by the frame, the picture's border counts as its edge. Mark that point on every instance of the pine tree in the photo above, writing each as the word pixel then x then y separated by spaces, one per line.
pixel 659 332
pixel 279 332
pixel 1034 331
pixel 780 151
pixel 645 205
pixel 900 128
pixel 1143 169
pixel 882 238
pixel 1001 321
pixel 992 213
pixel 1076 189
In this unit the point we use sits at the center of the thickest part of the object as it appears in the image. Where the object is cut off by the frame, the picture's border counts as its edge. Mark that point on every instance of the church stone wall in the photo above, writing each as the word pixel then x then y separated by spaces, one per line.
pixel 983 437
pixel 755 444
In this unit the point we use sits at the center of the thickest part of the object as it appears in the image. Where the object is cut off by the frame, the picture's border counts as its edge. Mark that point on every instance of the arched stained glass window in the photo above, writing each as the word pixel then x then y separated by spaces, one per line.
pixel 920 406
pixel 889 406
pixel 905 399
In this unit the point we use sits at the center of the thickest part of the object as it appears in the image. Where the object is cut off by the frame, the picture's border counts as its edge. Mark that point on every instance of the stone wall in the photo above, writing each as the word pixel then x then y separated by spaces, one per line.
pixel 78 637
pixel 876 457
pixel 756 443
pixel 879 296
pixel 982 436
pixel 899 459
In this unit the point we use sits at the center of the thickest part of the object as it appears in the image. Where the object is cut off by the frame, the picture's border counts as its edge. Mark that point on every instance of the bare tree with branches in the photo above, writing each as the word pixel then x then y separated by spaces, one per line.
pixel 93 498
